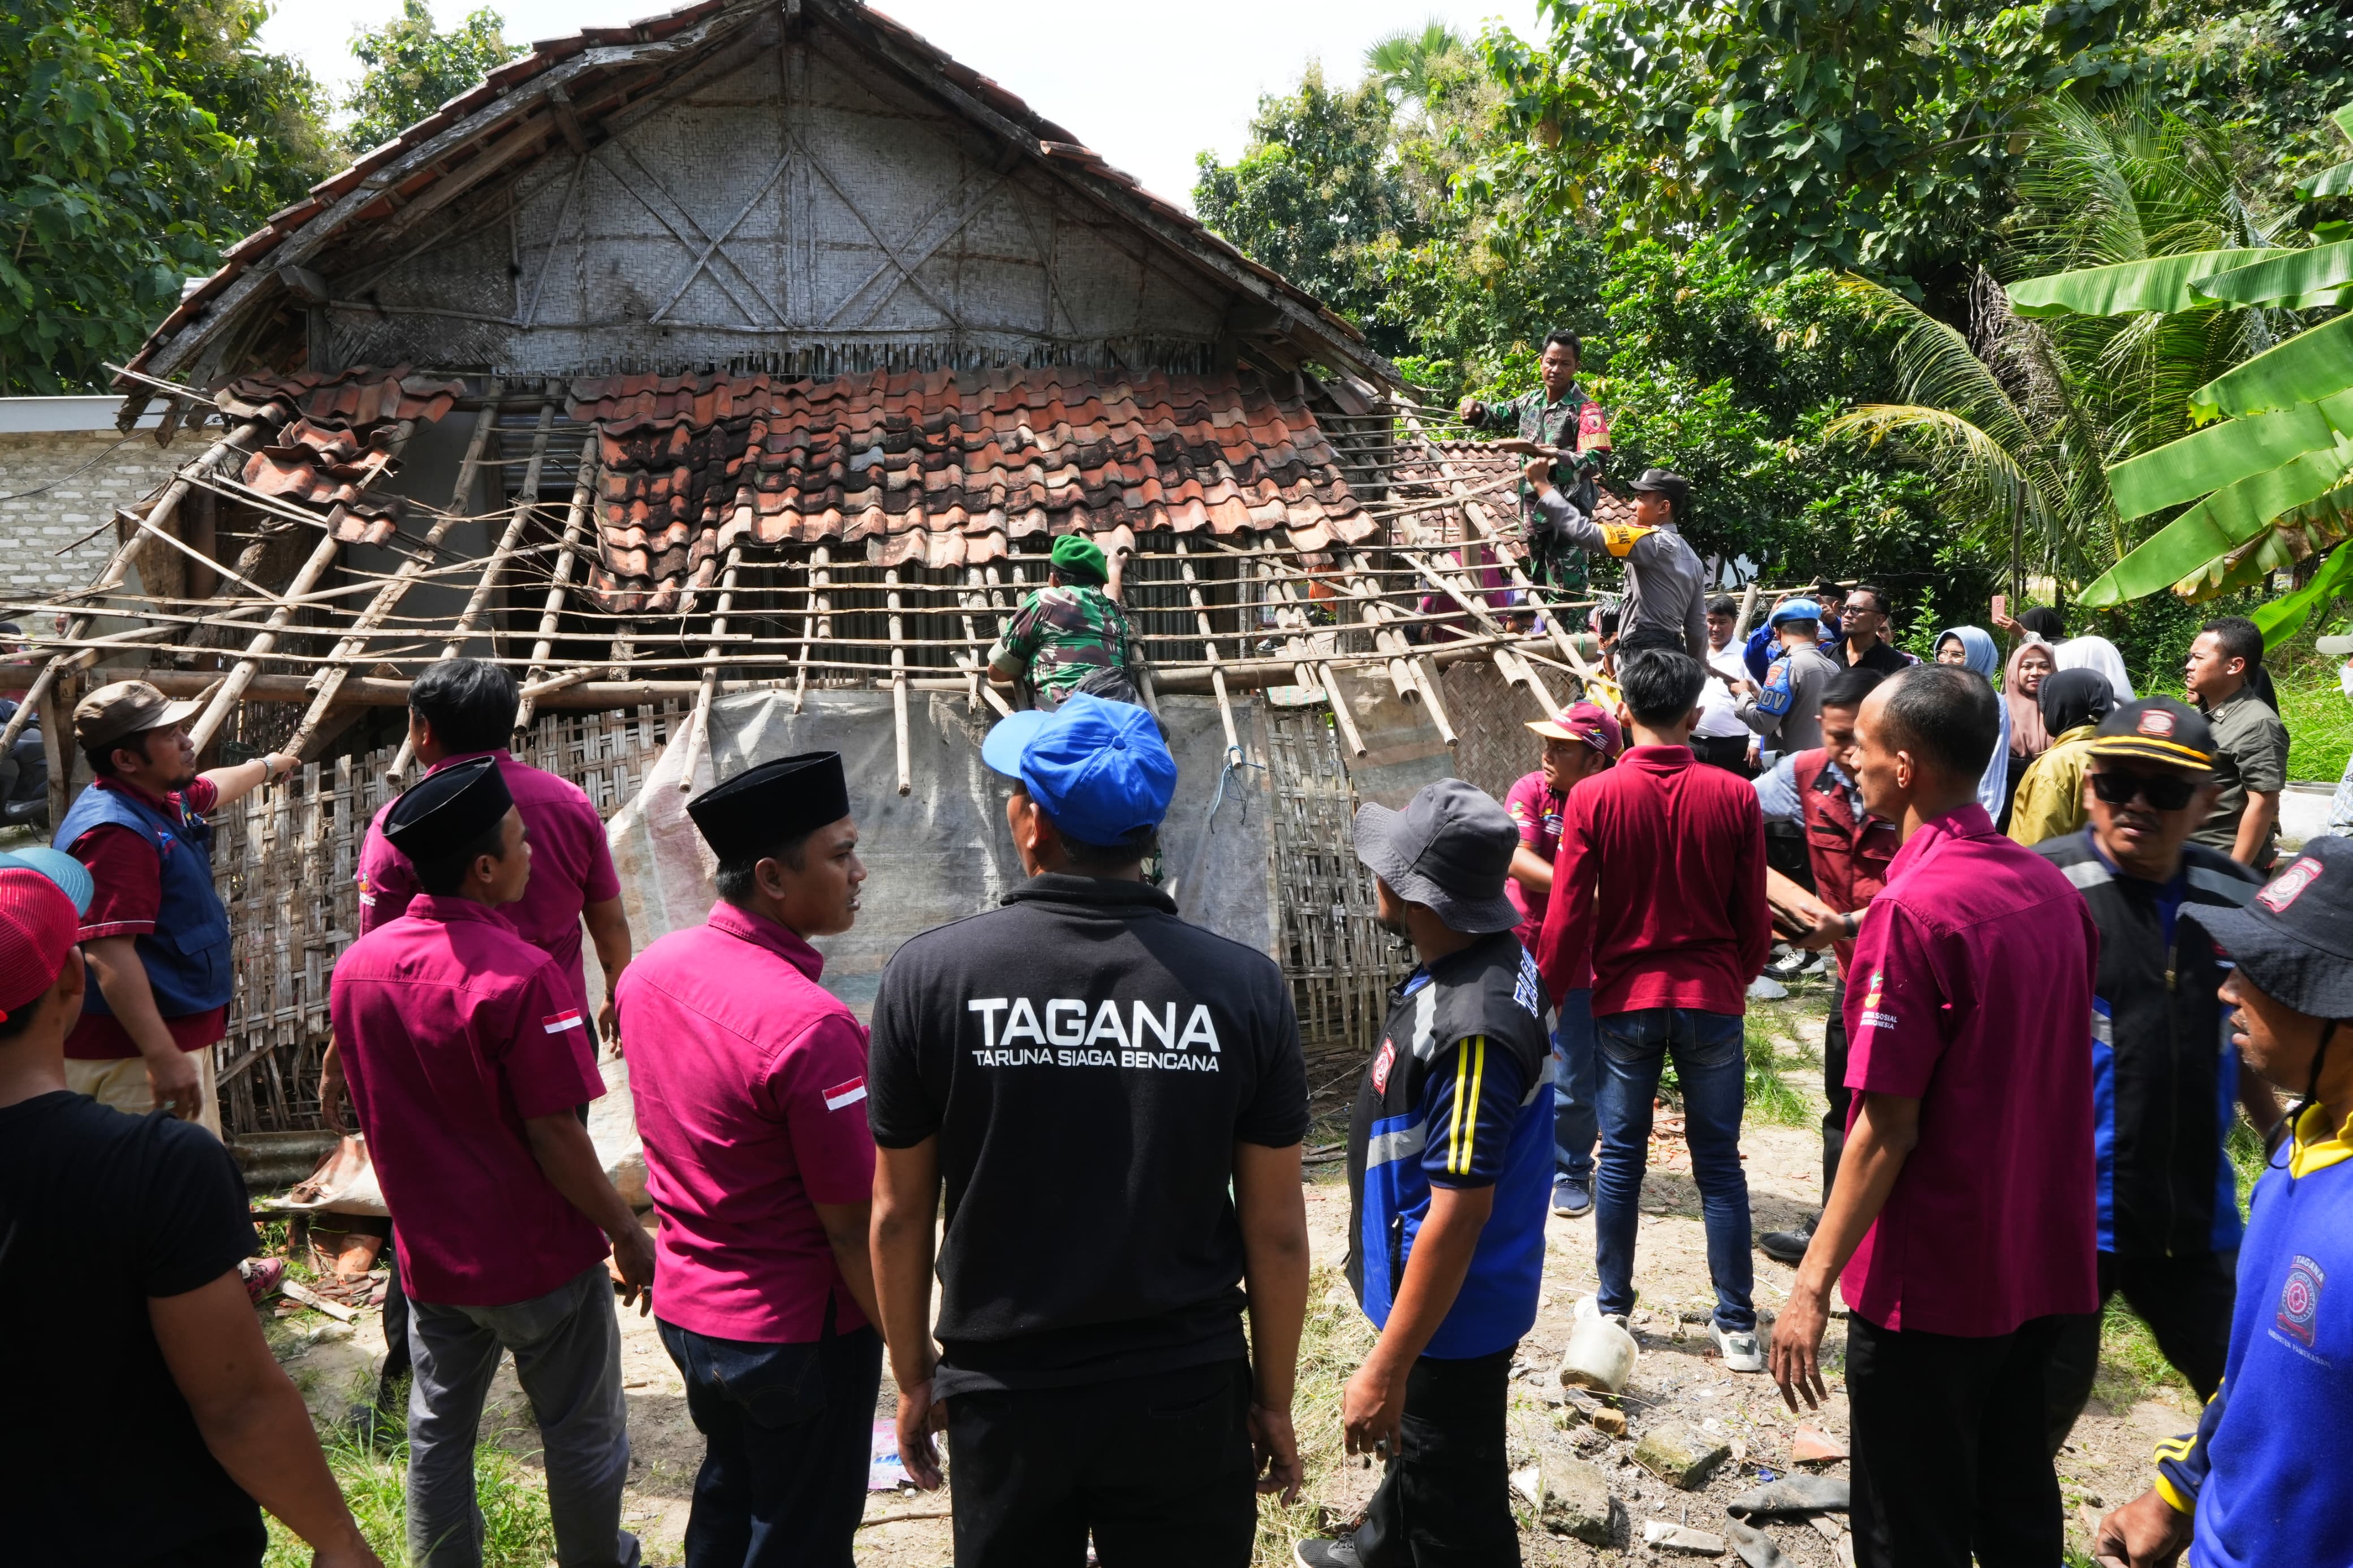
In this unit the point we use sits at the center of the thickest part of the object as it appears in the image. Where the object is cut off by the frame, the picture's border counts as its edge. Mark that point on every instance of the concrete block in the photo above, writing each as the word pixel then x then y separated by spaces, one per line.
pixel 1679 1456
pixel 1577 1500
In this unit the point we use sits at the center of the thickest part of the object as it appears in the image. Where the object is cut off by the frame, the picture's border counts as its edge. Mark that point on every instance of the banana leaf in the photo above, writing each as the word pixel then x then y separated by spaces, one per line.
pixel 2328 183
pixel 2283 618
pixel 2297 280
pixel 2305 369
pixel 2225 453
pixel 2161 283
pixel 2218 524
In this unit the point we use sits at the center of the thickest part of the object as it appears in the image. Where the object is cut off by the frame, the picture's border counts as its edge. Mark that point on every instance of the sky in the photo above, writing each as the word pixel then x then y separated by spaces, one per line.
pixel 1147 86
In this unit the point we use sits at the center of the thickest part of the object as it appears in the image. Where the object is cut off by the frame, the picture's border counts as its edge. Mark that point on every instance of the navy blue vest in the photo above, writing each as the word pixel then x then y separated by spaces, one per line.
pixel 188 954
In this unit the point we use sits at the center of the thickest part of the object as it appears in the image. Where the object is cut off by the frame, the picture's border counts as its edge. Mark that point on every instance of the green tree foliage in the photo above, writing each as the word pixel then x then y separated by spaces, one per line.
pixel 413 68
pixel 1411 64
pixel 1315 190
pixel 115 186
pixel 269 101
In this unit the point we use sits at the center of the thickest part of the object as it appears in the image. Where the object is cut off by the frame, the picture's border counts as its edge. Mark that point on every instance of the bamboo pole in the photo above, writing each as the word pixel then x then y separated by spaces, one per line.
pixel 898 685
pixel 1319 672
pixel 388 596
pixel 551 612
pixel 125 557
pixel 707 688
pixel 1209 647
pixel 479 600
pixel 817 623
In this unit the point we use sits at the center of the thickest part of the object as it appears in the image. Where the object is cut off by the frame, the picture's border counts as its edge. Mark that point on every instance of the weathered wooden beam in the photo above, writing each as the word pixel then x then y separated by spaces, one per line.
pixel 551 612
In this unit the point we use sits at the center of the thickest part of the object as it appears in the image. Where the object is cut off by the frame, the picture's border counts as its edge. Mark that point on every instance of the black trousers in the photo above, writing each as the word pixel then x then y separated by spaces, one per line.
pixel 1446 1500
pixel 2186 1302
pixel 786 1431
pixel 1158 1468
pixel 1948 1452
pixel 388 1397
pixel 1729 753
pixel 1834 1089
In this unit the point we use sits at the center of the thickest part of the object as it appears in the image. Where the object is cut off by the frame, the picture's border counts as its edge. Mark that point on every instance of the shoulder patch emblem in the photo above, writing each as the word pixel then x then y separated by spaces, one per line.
pixel 1382 1063
pixel 2289 884
pixel 2155 722
pixel 2299 1303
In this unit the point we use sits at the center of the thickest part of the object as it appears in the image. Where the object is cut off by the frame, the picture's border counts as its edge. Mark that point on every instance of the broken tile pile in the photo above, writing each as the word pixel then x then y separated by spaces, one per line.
pixel 335 438
pixel 941 470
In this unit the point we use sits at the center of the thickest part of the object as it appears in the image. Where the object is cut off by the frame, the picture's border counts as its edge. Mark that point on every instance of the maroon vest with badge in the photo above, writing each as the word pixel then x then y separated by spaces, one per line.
pixel 1850 858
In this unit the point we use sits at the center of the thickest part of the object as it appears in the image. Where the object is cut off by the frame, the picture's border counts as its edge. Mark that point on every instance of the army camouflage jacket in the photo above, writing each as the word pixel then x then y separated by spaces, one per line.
pixel 1062 634
pixel 1551 424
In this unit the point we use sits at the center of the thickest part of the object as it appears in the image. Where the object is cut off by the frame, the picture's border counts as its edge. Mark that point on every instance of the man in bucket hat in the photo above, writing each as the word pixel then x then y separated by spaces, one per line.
pixel 1450 1156
pixel 156 935
pixel 1113 1102
pixel 1071 629
pixel 2261 1480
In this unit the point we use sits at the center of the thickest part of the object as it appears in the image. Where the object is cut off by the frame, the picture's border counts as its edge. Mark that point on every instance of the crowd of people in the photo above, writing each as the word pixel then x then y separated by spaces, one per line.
pixel 2064 962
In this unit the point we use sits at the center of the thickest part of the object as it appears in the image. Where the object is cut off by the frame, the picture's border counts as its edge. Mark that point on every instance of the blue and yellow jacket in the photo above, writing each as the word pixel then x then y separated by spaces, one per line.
pixel 2264 1472
pixel 1455 1097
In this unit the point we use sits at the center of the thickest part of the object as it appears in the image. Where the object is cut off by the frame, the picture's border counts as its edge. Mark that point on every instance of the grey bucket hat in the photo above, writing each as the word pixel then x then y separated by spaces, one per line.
pixel 1449 848
pixel 2294 938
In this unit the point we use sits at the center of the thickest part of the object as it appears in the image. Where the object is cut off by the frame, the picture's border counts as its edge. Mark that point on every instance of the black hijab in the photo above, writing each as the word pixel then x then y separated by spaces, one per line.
pixel 2071 699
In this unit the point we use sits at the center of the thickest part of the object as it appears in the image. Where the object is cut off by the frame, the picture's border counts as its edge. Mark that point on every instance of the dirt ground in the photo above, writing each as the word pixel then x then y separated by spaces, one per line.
pixel 1677 1379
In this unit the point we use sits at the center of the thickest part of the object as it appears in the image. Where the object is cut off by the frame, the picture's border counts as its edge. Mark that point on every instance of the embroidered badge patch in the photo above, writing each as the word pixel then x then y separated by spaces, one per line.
pixel 2299 1303
pixel 2289 884
pixel 845 1094
pixel 1381 1065
pixel 2155 722
pixel 556 1022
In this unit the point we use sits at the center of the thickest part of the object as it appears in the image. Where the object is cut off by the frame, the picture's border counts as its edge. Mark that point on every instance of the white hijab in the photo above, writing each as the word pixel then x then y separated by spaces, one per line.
pixel 2094 653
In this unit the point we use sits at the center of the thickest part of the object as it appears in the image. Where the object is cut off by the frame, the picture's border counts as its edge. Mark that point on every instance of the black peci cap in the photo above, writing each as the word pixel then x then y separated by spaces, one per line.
pixel 447 809
pixel 753 812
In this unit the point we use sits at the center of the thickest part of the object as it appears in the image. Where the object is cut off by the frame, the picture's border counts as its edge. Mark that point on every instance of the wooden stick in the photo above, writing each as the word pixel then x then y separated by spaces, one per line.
pixel 551 612
pixel 125 557
pixel 707 688
pixel 898 686
pixel 1209 647
pixel 815 622
pixel 1322 675
pixel 388 596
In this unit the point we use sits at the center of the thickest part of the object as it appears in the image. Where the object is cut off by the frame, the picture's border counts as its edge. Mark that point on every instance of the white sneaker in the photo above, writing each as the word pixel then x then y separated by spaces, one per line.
pixel 1737 1346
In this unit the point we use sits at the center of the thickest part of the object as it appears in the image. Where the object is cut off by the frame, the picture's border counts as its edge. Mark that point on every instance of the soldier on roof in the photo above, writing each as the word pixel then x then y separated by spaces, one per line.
pixel 1557 416
pixel 1069 630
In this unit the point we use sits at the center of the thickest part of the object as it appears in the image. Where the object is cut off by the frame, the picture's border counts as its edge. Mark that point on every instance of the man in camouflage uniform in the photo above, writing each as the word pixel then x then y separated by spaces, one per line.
pixel 1546 415
pixel 1067 630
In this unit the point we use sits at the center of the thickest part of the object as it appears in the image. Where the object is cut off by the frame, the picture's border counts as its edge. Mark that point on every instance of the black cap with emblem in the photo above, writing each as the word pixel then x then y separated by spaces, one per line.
pixel 2294 937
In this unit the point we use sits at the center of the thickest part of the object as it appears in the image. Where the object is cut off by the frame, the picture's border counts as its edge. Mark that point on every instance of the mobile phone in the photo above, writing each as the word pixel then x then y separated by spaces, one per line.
pixel 2001 608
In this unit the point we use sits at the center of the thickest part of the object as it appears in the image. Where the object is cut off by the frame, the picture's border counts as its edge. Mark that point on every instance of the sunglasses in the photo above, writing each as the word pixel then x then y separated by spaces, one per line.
pixel 2166 793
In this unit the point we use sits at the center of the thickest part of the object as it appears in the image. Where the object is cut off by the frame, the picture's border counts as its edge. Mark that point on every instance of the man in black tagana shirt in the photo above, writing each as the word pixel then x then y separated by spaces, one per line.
pixel 1114 1102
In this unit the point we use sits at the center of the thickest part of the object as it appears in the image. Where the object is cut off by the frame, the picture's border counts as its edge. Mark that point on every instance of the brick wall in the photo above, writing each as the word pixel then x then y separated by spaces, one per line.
pixel 85 483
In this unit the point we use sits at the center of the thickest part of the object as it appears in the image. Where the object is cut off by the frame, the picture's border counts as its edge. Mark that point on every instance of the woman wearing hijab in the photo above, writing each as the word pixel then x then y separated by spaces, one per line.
pixel 1972 648
pixel 2099 654
pixel 2050 796
pixel 2021 687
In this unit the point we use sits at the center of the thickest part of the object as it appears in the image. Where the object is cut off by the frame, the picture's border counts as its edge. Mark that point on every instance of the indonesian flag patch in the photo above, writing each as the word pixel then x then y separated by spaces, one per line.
pixel 845 1094
pixel 556 1022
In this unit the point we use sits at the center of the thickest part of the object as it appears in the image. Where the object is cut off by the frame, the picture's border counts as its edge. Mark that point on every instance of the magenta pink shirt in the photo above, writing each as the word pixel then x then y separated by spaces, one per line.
pixel 1534 810
pixel 454 1032
pixel 750 1084
pixel 1971 991
pixel 571 868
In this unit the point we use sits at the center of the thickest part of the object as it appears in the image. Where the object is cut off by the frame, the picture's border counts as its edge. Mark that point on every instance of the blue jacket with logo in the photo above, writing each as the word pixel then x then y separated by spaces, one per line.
pixel 2264 1472
pixel 186 956
pixel 1456 1096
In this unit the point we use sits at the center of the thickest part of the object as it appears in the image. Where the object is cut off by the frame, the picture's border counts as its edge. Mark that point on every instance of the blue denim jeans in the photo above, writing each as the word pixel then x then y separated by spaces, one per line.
pixel 1575 1121
pixel 786 1429
pixel 1711 1065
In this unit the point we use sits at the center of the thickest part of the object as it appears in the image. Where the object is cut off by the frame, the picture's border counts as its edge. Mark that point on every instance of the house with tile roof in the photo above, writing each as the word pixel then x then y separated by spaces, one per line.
pixel 728 376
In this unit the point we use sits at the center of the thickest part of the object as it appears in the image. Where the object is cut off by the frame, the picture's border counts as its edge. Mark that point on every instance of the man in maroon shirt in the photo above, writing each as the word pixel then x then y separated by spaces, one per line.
pixel 155 934
pixel 1961 1228
pixel 1659 885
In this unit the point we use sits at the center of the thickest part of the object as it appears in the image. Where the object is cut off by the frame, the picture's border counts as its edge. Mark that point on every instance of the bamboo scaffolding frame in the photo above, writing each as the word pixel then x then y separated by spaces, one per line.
pixel 551 613
pixel 1209 647
pixel 899 688
pixel 707 687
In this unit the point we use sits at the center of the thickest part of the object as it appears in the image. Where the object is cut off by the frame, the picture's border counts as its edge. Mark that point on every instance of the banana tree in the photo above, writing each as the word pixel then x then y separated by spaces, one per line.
pixel 2271 470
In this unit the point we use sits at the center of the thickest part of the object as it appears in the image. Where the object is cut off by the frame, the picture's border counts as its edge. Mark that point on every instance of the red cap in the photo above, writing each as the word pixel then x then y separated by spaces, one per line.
pixel 37 926
pixel 1584 722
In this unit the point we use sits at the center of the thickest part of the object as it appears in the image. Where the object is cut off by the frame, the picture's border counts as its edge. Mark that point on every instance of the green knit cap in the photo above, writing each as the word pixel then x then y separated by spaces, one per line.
pixel 1076 555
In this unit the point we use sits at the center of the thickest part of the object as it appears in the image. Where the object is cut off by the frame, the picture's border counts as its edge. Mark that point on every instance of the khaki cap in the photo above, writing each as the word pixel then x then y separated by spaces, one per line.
pixel 126 708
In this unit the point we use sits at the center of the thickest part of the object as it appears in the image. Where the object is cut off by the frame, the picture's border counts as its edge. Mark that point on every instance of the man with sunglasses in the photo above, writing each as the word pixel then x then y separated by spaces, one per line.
pixel 2167 1084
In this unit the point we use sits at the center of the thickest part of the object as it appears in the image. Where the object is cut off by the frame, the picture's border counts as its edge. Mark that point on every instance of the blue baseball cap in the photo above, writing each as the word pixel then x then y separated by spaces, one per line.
pixel 69 874
pixel 1795 610
pixel 1099 770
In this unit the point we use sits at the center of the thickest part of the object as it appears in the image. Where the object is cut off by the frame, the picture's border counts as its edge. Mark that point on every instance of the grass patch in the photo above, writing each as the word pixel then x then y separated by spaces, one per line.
pixel 2319 720
pixel 516 1530
pixel 2131 1366
pixel 1333 1342
pixel 1769 1096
